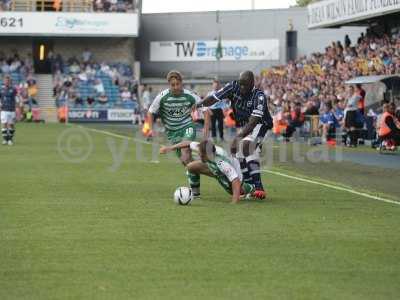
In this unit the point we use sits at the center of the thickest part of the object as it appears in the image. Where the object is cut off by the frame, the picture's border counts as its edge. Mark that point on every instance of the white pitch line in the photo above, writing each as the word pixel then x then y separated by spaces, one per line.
pixel 116 135
pixel 331 186
pixel 334 187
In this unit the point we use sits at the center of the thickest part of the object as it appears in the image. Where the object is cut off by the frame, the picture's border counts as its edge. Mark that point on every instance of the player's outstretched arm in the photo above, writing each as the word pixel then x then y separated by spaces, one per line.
pixel 253 121
pixel 236 186
pixel 208 101
pixel 166 149
pixel 207 122
pixel 150 119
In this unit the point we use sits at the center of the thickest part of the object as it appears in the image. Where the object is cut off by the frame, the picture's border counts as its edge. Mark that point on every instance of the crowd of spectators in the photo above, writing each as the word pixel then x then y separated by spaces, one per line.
pixel 5 5
pixel 21 72
pixel 316 83
pixel 114 5
pixel 120 6
pixel 84 83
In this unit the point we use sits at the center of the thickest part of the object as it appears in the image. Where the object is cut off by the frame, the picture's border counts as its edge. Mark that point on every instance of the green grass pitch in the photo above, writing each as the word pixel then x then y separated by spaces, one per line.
pixel 91 230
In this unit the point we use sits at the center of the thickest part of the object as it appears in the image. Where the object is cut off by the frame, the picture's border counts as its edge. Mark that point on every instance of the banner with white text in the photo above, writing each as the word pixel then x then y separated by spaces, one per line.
pixel 336 12
pixel 69 24
pixel 232 50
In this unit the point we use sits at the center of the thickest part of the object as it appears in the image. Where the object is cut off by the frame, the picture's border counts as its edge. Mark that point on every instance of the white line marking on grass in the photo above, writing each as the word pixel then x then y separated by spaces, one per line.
pixel 116 135
pixel 334 187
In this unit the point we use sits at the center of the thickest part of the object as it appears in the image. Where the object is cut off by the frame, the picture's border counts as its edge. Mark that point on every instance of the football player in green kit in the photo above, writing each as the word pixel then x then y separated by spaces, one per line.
pixel 174 106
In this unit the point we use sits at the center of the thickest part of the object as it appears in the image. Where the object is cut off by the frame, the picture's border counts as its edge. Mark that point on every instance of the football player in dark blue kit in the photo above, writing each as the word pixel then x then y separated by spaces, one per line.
pixel 8 95
pixel 251 113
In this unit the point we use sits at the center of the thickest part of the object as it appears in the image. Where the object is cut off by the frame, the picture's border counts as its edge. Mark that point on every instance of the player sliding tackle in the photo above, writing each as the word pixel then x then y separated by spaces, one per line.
pixel 215 163
pixel 174 106
pixel 250 110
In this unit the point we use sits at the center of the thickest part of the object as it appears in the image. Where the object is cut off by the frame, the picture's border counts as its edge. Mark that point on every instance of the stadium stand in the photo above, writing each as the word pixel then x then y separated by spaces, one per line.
pixel 317 82
pixel 81 85
pixel 21 72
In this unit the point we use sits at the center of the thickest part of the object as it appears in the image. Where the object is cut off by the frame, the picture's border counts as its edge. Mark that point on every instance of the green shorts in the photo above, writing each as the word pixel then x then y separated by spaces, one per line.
pixel 227 185
pixel 185 134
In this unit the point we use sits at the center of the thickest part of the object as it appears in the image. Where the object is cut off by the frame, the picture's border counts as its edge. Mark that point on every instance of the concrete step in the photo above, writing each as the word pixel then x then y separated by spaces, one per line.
pixel 45 98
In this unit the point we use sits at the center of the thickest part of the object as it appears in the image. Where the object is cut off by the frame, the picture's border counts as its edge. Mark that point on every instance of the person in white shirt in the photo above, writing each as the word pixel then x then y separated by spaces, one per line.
pixel 98 87
pixel 351 119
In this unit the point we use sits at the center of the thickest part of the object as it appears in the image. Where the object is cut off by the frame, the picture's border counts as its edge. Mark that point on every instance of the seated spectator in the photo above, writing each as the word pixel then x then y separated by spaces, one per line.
pixel 311 109
pixel 99 87
pixel 85 81
pixel 126 95
pixel 72 99
pixel 338 110
pixel 83 76
pixel 102 99
pixel 74 68
pixel 281 122
pixel 32 89
pixel 389 127
pixel 294 119
pixel 297 117
pixel 90 100
pixel 78 101
pixel 328 123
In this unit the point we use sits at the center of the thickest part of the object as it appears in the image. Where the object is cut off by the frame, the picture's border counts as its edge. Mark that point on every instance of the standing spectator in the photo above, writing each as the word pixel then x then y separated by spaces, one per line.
pixel 146 97
pixel 217 114
pixel 347 41
pixel 86 56
pixel 361 103
pixel 351 122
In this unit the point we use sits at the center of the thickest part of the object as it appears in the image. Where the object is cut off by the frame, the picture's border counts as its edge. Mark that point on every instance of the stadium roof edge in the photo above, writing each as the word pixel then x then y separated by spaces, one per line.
pixel 371 79
pixel 336 13
pixel 225 11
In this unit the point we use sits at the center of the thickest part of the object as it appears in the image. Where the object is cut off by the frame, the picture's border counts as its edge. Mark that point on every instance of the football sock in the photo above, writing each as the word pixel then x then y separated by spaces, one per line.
pixel 194 179
pixel 245 171
pixel 11 132
pixel 247 188
pixel 4 132
pixel 254 171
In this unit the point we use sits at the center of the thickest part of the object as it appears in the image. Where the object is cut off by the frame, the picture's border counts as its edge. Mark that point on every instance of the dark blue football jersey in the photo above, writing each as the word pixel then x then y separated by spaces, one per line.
pixel 255 104
pixel 7 98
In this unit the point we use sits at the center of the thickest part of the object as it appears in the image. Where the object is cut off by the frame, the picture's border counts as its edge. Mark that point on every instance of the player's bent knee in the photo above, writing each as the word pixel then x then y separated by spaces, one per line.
pixel 192 167
pixel 186 158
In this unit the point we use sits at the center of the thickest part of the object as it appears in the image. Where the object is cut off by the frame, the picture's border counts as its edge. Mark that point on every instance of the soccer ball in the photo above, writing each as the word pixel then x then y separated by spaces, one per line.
pixel 183 195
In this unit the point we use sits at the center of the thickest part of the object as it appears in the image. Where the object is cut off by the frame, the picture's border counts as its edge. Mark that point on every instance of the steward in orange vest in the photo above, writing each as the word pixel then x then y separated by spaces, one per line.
pixel 389 127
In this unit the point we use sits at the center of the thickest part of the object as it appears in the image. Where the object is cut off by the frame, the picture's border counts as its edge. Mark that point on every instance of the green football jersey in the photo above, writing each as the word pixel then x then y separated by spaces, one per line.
pixel 225 169
pixel 223 165
pixel 175 111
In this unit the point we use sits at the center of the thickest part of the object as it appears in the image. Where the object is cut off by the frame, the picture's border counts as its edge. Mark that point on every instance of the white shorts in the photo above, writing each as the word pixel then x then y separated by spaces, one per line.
pixel 257 135
pixel 7 117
